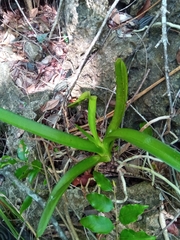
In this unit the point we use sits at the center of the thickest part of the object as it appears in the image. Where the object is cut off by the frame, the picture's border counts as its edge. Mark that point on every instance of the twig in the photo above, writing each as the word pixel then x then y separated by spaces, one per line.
pixel 171 222
pixel 137 91
pixel 56 20
pixel 150 171
pixel 165 42
pixel 20 9
pixel 121 176
pixel 37 198
pixel 68 219
pixel 163 222
pixel 153 121
pixel 158 24
pixel 76 76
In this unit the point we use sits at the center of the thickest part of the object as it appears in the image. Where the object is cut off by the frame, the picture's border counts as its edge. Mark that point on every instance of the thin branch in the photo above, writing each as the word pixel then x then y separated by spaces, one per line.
pixel 20 9
pixel 56 20
pixel 165 42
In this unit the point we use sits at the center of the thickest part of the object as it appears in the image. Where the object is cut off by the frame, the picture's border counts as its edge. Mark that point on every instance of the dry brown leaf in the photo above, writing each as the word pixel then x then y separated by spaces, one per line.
pixel 31 89
pixel 33 13
pixel 50 105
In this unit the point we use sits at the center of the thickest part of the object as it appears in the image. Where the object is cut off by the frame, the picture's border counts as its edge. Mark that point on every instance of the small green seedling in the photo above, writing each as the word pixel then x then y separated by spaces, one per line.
pixel 103 225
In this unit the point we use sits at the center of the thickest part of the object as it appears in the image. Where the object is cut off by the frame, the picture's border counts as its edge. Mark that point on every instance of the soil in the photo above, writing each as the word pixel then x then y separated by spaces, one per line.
pixel 142 54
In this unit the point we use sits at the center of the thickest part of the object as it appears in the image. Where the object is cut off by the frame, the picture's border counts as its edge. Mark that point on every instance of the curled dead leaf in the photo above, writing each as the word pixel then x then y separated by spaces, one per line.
pixel 50 105
pixel 172 228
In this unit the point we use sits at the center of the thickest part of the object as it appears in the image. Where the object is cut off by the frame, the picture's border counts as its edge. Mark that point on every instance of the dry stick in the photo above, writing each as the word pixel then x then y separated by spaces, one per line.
pixel 110 114
pixel 164 40
pixel 169 224
pixel 56 20
pixel 136 93
pixel 75 78
pixel 20 9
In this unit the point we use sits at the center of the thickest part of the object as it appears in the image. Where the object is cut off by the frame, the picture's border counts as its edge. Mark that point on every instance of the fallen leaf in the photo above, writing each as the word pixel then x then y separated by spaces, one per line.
pixel 83 179
pixel 33 13
pixel 172 228
pixel 50 105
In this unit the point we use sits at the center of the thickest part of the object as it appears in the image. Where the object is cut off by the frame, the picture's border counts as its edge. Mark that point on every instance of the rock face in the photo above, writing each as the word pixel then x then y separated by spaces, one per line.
pixel 139 54
pixel 14 100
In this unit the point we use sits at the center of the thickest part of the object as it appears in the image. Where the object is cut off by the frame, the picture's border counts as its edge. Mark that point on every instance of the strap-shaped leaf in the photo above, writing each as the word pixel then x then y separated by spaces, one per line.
pixel 150 144
pixel 92 119
pixel 83 97
pixel 121 95
pixel 48 132
pixel 61 187
pixel 86 134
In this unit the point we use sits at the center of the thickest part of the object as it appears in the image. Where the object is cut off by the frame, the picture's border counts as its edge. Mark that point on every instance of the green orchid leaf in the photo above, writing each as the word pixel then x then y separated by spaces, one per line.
pixel 22 151
pixel 84 96
pixel 26 203
pixel 148 143
pixel 103 182
pixel 129 213
pixel 121 95
pixel 97 224
pixel 48 132
pixel 147 130
pixel 100 202
pixel 61 187
pixel 92 119
pixel 86 134
pixel 129 234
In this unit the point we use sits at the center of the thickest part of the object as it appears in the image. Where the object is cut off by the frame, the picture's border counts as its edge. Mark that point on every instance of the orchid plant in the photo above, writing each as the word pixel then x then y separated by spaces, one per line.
pixel 102 148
